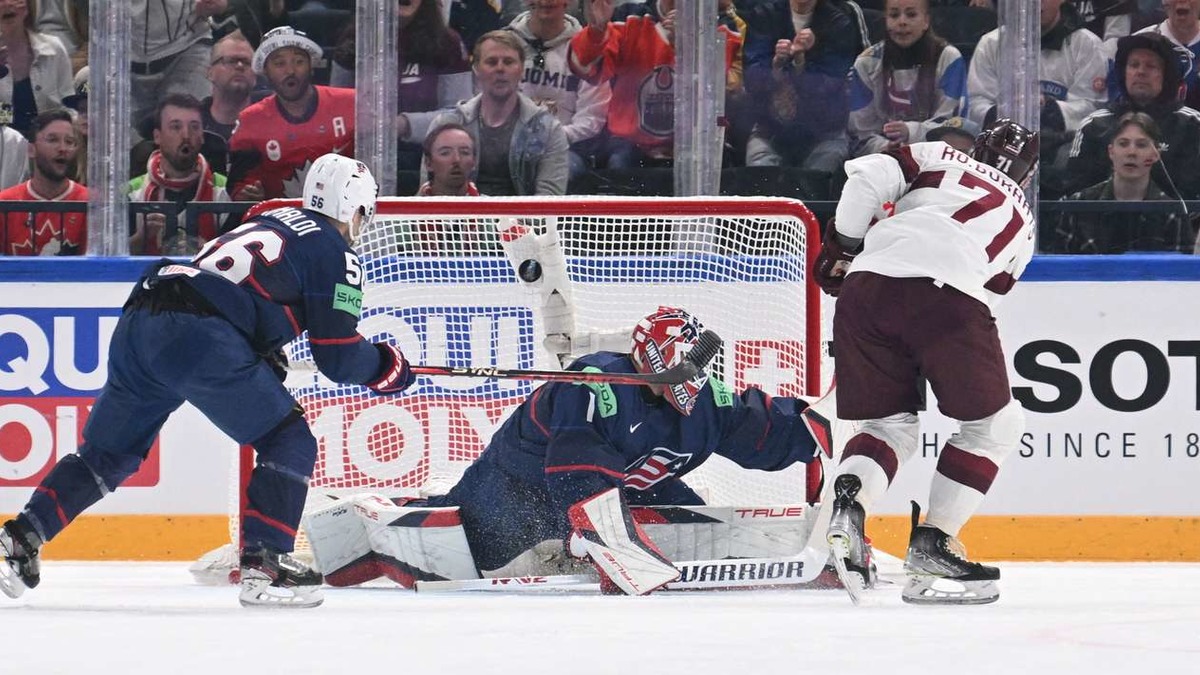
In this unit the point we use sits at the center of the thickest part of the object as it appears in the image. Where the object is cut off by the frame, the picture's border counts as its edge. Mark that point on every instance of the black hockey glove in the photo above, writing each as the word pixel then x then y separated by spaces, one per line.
pixel 395 376
pixel 829 270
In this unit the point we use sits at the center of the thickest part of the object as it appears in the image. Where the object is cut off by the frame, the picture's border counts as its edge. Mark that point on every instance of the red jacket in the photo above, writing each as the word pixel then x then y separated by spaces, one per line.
pixel 637 57
pixel 44 233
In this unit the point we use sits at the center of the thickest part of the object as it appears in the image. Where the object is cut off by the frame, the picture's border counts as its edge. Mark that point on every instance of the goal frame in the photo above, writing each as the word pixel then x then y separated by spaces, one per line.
pixel 586 206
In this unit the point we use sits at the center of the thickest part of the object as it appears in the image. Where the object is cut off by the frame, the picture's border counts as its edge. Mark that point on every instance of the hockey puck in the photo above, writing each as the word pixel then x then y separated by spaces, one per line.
pixel 530 270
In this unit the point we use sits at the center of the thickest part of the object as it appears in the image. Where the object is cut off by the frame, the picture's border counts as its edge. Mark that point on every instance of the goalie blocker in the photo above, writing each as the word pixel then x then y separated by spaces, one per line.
pixel 368 536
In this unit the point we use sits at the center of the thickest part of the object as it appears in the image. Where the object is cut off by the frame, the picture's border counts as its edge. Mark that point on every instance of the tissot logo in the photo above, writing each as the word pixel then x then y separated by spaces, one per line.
pixel 1035 362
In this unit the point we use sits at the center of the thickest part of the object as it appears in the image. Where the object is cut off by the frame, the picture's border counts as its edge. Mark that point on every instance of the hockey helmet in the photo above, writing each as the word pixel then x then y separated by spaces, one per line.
pixel 339 187
pixel 1010 147
pixel 660 341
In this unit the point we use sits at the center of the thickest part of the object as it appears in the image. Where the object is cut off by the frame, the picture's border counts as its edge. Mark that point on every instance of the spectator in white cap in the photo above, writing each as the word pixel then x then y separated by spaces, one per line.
pixel 277 138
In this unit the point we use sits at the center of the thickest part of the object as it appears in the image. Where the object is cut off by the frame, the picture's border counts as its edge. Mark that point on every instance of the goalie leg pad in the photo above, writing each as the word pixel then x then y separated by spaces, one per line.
pixel 341 549
pixel 372 537
pixel 605 531
pixel 717 532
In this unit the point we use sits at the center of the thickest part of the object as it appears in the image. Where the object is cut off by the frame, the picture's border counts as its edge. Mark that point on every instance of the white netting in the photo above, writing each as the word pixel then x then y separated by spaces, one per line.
pixel 438 283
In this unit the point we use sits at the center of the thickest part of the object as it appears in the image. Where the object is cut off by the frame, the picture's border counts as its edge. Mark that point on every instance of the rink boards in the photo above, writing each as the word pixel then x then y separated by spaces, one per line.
pixel 1104 354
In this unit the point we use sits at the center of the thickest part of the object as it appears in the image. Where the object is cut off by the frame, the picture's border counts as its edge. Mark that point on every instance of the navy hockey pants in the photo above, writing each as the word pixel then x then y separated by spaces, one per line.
pixel 156 362
pixel 503 516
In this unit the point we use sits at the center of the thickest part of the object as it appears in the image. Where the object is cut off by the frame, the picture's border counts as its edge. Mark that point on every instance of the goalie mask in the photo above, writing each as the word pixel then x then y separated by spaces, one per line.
pixel 338 187
pixel 660 341
pixel 1010 147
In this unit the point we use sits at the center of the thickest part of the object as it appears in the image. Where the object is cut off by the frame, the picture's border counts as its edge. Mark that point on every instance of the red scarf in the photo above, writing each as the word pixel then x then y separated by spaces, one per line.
pixel 157 183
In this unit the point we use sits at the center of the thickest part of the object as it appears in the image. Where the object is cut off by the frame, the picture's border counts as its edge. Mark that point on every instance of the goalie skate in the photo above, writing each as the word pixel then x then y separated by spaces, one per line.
pixel 274 579
pixel 939 572
pixel 850 553
pixel 21 568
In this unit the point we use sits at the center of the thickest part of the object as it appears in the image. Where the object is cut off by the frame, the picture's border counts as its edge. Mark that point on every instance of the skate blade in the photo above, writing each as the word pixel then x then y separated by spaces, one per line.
pixel 853 582
pixel 927 590
pixel 259 593
pixel 10 581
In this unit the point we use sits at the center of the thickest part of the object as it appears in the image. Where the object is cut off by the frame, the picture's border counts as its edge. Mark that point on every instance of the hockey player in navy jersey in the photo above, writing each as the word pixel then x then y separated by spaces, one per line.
pixel 572 458
pixel 205 332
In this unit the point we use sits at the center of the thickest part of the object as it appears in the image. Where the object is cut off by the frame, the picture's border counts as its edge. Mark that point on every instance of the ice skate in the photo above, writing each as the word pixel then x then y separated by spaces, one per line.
pixel 939 572
pixel 21 568
pixel 848 547
pixel 274 579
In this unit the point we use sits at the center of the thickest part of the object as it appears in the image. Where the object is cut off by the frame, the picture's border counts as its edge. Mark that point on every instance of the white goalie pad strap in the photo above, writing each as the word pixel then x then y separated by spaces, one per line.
pixel 716 532
pixel 607 534
pixel 372 537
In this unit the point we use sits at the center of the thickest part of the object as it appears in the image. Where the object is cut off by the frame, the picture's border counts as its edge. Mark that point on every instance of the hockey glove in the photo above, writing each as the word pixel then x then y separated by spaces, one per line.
pixel 395 376
pixel 829 270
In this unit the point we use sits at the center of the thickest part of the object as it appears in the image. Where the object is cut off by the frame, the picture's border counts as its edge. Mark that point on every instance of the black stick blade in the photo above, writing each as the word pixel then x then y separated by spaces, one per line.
pixel 705 349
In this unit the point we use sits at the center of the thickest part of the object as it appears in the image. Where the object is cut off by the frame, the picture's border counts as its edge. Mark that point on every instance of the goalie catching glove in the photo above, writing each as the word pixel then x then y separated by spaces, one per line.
pixel 396 375
pixel 832 263
pixel 605 532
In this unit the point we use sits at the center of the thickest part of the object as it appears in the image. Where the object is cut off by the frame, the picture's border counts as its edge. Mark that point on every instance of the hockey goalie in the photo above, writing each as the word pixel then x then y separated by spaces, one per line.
pixel 567 479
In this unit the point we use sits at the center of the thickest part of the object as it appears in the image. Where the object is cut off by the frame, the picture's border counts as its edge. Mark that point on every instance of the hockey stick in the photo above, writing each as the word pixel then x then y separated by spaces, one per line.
pixel 696 575
pixel 706 347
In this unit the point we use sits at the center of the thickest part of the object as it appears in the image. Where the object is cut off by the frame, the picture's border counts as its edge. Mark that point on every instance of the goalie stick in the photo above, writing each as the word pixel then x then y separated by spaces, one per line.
pixel 696 575
pixel 706 347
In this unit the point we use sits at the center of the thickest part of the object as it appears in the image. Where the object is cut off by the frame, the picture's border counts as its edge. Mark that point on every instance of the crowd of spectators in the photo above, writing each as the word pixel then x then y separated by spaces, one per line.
pixel 233 99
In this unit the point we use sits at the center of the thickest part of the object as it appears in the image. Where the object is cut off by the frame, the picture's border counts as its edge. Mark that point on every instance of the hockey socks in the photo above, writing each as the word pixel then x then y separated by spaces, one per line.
pixel 69 489
pixel 605 532
pixel 279 484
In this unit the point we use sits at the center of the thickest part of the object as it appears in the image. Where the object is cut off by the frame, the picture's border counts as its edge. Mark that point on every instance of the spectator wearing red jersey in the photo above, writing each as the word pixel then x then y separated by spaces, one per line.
pixel 637 56
pixel 53 146
pixel 278 138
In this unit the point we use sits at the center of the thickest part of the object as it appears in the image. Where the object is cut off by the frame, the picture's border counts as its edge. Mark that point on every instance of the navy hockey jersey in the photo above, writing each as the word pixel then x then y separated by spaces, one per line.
pixel 283 272
pixel 578 440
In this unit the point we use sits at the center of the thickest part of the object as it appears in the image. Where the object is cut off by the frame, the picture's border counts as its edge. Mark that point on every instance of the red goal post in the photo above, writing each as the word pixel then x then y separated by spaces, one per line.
pixel 441 282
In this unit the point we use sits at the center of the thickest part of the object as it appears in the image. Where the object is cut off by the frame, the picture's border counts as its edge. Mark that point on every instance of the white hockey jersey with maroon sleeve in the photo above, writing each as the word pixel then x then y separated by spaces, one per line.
pixel 928 210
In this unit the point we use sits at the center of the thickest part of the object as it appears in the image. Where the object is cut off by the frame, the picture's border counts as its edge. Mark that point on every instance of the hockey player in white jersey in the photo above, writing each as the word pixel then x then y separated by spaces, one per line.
pixel 924 241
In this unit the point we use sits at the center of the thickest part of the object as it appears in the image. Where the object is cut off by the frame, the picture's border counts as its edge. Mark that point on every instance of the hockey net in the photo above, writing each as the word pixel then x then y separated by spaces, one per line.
pixel 443 281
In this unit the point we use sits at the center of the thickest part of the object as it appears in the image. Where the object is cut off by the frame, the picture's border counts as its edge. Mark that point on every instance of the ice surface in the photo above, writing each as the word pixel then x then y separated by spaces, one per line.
pixel 1078 619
